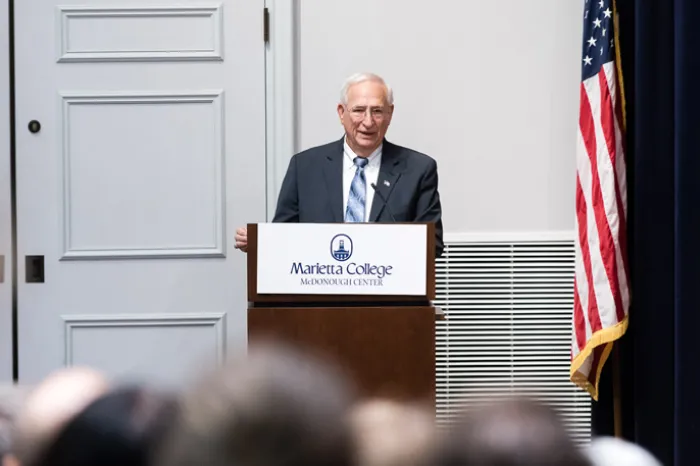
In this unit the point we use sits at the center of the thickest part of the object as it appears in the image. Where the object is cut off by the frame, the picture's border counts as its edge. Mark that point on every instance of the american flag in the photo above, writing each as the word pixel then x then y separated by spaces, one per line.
pixel 601 284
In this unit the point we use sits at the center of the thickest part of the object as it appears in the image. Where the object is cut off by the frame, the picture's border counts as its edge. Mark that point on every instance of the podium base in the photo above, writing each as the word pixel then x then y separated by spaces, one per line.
pixel 388 352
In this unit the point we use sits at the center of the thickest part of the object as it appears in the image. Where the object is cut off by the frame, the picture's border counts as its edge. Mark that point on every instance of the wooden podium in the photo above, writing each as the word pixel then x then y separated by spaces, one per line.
pixel 370 313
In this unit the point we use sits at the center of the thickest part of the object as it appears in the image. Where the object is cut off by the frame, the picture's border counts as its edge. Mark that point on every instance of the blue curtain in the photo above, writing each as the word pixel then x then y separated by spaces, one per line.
pixel 660 355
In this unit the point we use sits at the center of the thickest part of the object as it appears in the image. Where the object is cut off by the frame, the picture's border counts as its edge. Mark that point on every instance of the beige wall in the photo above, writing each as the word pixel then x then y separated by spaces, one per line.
pixel 488 88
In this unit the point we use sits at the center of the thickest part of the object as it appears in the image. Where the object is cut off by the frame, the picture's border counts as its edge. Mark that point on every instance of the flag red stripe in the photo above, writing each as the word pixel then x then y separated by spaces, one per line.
pixel 606 117
pixel 620 144
pixel 593 316
pixel 607 246
pixel 579 322
pixel 623 146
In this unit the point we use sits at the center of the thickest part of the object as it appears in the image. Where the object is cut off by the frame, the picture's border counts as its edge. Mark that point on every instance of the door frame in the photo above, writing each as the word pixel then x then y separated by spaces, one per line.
pixel 280 111
pixel 281 90
pixel 8 248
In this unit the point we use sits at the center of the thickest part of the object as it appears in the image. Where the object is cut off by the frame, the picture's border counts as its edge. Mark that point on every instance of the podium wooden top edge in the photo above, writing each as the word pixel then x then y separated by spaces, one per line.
pixel 258 307
pixel 418 300
pixel 425 299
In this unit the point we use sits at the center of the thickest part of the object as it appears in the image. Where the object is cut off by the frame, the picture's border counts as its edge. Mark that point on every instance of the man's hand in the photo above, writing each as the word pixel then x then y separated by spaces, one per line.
pixel 242 239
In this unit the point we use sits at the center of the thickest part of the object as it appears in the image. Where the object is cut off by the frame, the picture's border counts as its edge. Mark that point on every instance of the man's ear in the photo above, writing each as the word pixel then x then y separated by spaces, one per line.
pixel 341 111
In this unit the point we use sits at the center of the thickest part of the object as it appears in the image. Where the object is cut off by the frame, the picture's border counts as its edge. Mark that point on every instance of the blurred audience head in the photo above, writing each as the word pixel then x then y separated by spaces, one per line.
pixel 12 397
pixel 389 433
pixel 274 407
pixel 47 409
pixel 120 428
pixel 512 432
pixel 609 451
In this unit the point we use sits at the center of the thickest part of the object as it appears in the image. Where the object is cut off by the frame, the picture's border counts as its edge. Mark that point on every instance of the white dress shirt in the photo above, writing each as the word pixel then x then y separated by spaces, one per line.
pixel 374 161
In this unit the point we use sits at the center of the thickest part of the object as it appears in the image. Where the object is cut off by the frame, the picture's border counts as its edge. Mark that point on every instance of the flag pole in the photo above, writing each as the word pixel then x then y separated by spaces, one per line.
pixel 617 393
pixel 617 387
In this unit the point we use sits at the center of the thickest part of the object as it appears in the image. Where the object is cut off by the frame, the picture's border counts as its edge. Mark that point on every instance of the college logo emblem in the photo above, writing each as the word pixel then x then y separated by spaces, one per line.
pixel 341 247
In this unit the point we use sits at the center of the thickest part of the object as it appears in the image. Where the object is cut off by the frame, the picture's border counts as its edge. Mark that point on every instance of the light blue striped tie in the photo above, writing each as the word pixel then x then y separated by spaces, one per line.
pixel 355 211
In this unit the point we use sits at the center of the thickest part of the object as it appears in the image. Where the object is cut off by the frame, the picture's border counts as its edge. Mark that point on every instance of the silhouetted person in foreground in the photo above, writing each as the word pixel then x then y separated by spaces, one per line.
pixel 120 428
pixel 389 433
pixel 274 407
pixel 514 432
pixel 610 451
pixel 49 407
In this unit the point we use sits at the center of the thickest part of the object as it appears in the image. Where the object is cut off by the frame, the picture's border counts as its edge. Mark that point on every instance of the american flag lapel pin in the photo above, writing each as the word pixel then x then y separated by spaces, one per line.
pixel 386 183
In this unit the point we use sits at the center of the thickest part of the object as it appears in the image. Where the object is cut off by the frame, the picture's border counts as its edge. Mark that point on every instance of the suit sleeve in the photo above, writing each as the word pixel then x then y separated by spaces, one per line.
pixel 288 199
pixel 428 207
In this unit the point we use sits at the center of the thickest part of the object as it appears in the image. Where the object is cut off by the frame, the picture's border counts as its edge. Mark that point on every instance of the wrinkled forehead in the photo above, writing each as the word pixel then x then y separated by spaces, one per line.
pixel 367 93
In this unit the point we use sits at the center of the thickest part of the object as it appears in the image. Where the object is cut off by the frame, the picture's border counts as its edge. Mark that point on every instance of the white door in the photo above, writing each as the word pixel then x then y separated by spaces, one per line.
pixel 5 203
pixel 150 152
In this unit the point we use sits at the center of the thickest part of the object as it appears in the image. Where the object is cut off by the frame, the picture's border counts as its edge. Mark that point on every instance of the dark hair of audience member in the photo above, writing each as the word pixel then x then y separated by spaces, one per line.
pixel 513 432
pixel 274 407
pixel 120 428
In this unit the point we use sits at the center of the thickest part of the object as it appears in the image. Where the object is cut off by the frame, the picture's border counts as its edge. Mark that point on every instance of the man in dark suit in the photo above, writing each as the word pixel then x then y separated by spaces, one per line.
pixel 361 177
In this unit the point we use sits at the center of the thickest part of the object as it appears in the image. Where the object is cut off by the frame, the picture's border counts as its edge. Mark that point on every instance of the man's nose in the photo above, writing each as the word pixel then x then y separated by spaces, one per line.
pixel 367 119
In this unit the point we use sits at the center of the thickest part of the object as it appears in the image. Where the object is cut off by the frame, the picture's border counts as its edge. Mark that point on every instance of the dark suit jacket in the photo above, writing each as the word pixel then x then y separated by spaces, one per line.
pixel 312 190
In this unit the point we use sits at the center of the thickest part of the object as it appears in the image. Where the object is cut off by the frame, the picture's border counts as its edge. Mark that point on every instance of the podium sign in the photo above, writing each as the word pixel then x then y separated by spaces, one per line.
pixel 342 259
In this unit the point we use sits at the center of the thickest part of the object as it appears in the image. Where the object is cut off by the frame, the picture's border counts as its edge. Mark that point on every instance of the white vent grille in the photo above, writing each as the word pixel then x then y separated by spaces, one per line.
pixel 508 328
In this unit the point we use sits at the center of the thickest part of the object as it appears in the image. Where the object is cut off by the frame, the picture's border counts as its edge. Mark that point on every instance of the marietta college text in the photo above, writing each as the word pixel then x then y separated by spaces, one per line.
pixel 373 273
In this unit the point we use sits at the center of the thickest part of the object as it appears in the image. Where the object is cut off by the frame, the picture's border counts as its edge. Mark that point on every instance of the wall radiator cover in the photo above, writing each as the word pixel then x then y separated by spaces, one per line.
pixel 508 304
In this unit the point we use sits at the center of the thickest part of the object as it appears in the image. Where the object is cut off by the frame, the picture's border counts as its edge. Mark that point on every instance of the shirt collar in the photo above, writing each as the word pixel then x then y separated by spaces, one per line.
pixel 373 157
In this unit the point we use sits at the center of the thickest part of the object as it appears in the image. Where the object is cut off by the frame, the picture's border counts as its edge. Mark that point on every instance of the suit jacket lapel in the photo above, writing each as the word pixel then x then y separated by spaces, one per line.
pixel 389 174
pixel 333 174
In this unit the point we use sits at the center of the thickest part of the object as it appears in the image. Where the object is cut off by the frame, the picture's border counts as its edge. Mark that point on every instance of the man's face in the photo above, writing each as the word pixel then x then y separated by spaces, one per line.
pixel 366 117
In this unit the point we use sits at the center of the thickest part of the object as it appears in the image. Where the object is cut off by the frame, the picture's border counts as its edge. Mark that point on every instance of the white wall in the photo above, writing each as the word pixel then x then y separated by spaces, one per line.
pixel 488 88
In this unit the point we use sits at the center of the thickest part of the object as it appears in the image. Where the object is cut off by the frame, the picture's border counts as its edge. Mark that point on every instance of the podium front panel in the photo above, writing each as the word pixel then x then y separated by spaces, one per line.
pixel 386 351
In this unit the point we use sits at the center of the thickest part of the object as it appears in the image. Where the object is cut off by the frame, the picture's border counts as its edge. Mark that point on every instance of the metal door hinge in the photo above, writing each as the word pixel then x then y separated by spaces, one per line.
pixel 266 25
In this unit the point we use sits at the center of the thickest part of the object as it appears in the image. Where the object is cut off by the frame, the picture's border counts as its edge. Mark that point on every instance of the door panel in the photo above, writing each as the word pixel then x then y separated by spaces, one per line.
pixel 151 152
